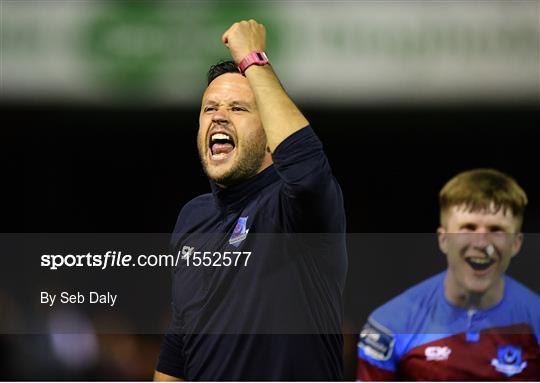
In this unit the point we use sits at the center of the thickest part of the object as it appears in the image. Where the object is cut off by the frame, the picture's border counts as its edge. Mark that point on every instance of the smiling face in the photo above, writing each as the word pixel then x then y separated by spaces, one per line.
pixel 231 138
pixel 478 245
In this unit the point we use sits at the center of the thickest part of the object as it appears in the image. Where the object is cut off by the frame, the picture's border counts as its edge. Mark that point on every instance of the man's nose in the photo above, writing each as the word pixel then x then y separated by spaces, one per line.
pixel 480 239
pixel 220 117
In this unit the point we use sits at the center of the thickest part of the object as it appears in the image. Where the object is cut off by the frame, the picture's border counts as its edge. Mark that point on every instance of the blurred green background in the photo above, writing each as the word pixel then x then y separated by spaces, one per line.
pixel 133 52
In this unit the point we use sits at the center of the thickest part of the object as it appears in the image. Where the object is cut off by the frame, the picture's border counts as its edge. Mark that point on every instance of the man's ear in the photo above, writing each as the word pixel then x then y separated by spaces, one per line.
pixel 516 246
pixel 442 237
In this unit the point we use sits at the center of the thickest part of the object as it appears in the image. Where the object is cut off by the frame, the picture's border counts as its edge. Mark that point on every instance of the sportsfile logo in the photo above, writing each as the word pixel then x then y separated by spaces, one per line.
pixel 437 353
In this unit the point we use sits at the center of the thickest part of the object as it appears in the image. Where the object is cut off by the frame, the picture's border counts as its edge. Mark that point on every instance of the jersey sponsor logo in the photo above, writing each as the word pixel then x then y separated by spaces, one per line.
pixel 240 232
pixel 376 341
pixel 186 252
pixel 509 360
pixel 437 353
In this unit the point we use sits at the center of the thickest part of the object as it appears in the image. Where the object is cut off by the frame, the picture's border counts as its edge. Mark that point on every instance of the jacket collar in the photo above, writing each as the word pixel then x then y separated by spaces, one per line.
pixel 235 195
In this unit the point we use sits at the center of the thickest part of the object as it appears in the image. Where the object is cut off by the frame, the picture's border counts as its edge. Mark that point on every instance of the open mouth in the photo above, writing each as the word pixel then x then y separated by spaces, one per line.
pixel 480 264
pixel 221 146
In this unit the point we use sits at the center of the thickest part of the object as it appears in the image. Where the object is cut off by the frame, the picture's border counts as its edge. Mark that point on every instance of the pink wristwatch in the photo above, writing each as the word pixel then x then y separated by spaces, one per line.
pixel 257 58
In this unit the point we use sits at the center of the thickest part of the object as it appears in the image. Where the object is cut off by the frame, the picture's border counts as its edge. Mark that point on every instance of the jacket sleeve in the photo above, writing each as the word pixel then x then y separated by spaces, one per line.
pixel 311 199
pixel 170 360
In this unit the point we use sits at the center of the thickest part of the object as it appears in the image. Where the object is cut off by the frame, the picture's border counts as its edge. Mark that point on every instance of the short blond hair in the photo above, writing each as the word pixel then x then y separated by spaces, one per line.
pixel 483 189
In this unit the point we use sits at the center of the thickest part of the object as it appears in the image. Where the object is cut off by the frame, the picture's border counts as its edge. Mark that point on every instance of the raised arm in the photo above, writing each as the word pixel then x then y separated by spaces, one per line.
pixel 279 115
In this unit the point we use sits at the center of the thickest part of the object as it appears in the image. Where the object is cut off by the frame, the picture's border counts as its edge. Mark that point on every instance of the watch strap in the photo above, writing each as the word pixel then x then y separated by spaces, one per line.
pixel 254 58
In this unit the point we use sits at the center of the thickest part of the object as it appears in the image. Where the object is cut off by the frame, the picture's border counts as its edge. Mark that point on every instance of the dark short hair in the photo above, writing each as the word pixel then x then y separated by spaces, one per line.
pixel 222 67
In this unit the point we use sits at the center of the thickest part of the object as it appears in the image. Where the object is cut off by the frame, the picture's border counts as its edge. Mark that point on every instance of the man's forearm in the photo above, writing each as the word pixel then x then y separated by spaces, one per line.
pixel 279 115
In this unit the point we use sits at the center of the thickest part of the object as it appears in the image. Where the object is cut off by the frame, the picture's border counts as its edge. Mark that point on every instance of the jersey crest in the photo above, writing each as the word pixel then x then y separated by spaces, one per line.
pixel 240 232
pixel 509 360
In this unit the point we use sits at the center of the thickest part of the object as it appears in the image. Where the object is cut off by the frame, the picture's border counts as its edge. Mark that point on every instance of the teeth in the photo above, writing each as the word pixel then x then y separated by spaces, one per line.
pixel 220 136
pixel 480 261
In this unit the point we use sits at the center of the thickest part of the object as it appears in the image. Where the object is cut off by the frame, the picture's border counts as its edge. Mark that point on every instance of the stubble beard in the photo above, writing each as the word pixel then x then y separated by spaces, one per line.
pixel 245 166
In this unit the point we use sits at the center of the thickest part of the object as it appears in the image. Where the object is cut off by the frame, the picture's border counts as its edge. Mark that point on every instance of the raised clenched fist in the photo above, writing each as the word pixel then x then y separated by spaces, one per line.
pixel 244 37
